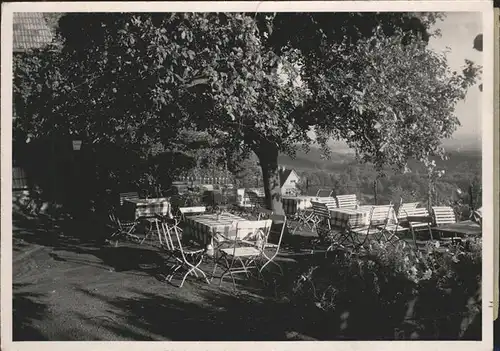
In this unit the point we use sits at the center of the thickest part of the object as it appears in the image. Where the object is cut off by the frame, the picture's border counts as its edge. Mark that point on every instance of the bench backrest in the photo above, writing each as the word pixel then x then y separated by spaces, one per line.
pixel 130 195
pixel 443 215
pixel 417 212
pixel 406 208
pixel 320 209
pixel 190 210
pixel 347 201
pixel 330 202
pixel 381 214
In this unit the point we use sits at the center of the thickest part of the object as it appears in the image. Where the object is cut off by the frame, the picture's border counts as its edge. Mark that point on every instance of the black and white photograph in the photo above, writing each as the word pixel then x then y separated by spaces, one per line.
pixel 247 175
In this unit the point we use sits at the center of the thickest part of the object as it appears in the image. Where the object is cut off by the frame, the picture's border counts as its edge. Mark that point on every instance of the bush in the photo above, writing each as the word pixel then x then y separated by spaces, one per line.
pixel 393 292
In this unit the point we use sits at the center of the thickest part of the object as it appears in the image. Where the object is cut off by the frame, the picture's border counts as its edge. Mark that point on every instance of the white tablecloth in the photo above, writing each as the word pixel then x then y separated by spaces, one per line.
pixel 203 228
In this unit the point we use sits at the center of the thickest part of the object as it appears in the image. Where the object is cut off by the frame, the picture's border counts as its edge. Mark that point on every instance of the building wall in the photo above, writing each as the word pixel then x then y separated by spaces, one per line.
pixel 291 183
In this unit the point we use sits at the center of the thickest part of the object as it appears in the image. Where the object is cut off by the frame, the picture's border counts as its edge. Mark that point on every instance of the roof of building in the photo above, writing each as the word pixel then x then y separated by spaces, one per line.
pixel 30 31
pixel 284 174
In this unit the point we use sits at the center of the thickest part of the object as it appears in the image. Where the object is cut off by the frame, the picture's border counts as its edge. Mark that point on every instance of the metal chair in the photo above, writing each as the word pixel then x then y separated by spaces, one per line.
pixel 121 228
pixel 272 246
pixel 188 256
pixel 243 254
pixel 321 213
pixel 379 217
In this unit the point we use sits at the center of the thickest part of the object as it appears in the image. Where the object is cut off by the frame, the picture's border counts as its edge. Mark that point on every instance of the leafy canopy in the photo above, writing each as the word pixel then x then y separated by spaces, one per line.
pixel 245 82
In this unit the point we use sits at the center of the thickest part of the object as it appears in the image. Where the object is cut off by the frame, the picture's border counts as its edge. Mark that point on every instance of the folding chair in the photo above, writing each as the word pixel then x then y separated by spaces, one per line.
pixel 154 222
pixel 263 213
pixel 419 219
pixel 379 217
pixel 347 201
pixel 304 219
pixel 191 211
pixel 134 195
pixel 406 207
pixel 256 201
pixel 185 256
pixel 324 191
pixel 477 216
pixel 242 255
pixel 273 243
pixel 444 215
pixel 121 228
pixel 395 224
pixel 321 213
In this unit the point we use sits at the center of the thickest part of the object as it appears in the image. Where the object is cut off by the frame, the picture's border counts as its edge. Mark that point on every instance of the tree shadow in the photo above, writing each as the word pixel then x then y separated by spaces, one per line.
pixel 221 316
pixel 25 310
pixel 72 242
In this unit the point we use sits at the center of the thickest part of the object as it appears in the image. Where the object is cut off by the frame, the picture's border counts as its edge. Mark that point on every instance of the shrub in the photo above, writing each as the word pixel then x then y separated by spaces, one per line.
pixel 394 292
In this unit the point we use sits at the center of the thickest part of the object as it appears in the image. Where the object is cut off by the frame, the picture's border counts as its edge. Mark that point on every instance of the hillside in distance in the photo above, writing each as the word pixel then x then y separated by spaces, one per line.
pixel 313 161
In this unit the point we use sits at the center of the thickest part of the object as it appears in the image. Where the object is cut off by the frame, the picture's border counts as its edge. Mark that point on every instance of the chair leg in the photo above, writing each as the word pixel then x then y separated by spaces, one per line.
pixel 213 272
pixel 234 281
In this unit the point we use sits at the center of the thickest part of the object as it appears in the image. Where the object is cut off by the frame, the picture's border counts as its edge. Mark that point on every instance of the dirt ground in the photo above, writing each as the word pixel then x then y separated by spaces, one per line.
pixel 74 287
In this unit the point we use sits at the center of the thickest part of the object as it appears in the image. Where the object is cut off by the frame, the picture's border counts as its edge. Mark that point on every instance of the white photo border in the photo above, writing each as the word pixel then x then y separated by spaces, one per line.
pixel 483 6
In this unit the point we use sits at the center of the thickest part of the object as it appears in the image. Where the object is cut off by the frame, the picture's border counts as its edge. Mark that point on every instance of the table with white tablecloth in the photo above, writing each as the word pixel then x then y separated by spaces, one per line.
pixel 344 217
pixel 292 204
pixel 144 208
pixel 203 228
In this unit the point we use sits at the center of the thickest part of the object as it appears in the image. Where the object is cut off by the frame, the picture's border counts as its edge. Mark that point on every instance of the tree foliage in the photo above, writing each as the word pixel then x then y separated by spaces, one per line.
pixel 246 83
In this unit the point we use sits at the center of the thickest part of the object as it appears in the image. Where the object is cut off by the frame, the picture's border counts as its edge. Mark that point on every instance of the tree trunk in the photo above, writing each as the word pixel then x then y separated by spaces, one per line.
pixel 375 191
pixel 268 158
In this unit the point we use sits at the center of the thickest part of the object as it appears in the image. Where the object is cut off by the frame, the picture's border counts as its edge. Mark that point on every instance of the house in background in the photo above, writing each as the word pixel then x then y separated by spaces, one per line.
pixel 288 181
pixel 29 31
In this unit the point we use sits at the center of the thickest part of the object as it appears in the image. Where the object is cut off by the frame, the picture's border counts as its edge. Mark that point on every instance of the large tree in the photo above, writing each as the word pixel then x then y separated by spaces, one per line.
pixel 368 79
pixel 256 83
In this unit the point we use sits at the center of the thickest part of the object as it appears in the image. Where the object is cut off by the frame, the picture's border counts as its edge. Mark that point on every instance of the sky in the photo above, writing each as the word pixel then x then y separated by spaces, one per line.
pixel 458 30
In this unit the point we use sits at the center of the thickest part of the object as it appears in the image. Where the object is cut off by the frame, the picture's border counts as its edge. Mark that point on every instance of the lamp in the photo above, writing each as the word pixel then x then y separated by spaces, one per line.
pixel 77 145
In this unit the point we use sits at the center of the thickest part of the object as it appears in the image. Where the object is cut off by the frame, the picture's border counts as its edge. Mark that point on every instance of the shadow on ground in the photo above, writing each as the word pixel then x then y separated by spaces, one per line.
pixel 25 310
pixel 214 317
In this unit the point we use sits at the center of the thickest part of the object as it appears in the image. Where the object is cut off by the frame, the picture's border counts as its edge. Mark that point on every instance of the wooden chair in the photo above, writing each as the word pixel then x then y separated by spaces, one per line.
pixel 242 255
pixel 322 192
pixel 134 195
pixel 304 220
pixel 443 215
pixel 378 220
pixel 263 213
pixel 191 210
pixel 256 200
pixel 396 225
pixel 321 213
pixel 404 209
pixel 331 202
pixel 477 216
pixel 347 201
pixel 187 256
pixel 419 219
